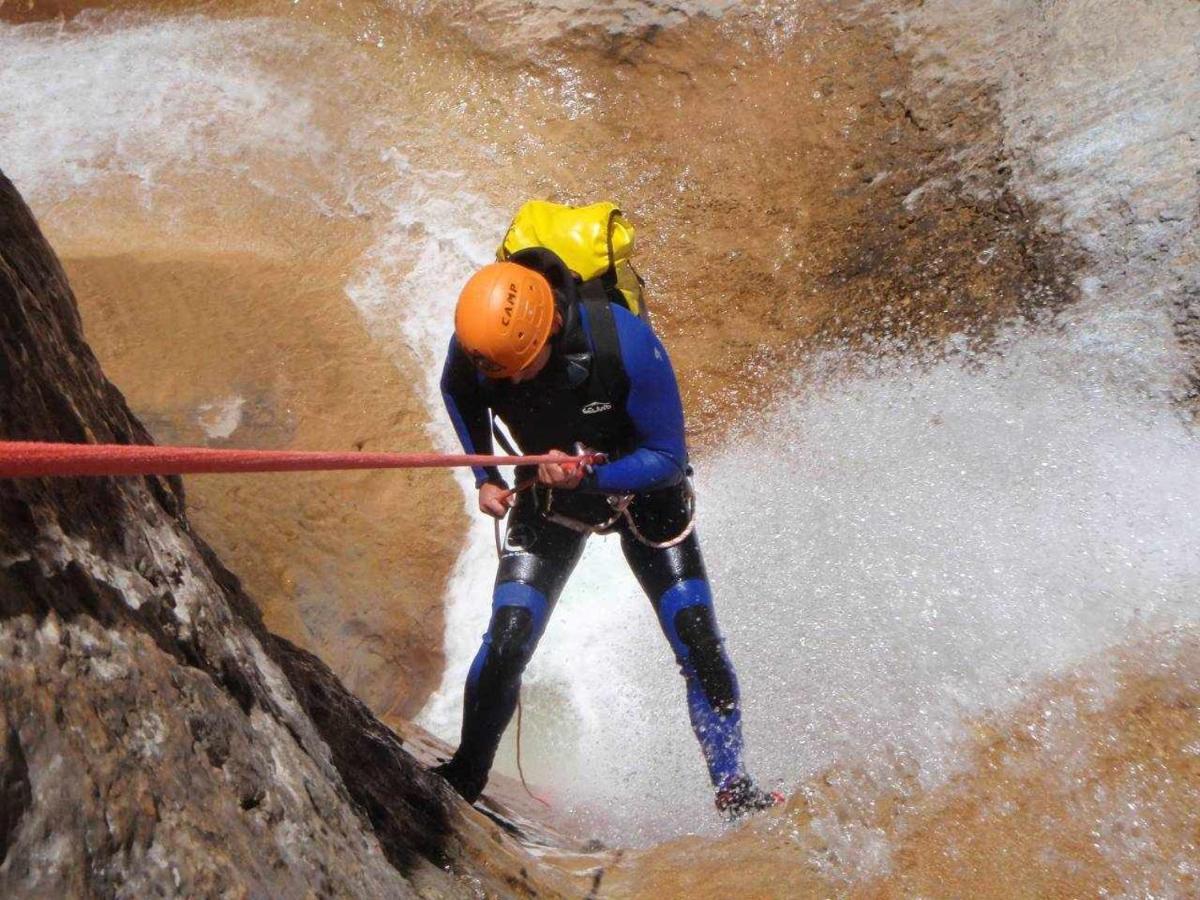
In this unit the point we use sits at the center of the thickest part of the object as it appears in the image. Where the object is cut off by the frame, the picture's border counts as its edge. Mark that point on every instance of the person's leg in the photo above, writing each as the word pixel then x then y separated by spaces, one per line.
pixel 675 580
pixel 536 559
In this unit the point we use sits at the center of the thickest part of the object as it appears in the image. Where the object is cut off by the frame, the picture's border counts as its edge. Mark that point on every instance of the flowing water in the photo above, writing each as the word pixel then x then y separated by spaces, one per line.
pixel 942 445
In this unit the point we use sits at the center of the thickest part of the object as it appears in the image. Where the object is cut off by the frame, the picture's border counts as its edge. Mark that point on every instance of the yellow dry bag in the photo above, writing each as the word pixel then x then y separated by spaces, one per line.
pixel 595 242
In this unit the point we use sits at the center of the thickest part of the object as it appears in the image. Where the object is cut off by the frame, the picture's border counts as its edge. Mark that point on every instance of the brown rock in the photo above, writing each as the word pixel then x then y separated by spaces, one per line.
pixel 157 739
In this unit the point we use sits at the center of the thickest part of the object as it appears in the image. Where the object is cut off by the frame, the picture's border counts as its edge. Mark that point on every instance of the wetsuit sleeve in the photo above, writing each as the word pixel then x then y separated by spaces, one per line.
pixel 660 459
pixel 468 410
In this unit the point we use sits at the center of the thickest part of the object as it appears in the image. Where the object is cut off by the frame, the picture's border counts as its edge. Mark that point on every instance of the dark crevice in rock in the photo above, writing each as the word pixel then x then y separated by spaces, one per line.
pixel 252 800
pixel 237 685
pixel 16 796
pixel 401 800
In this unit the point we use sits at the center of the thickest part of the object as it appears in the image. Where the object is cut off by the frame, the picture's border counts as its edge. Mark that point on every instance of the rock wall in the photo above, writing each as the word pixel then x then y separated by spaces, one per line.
pixel 154 737
pixel 1100 107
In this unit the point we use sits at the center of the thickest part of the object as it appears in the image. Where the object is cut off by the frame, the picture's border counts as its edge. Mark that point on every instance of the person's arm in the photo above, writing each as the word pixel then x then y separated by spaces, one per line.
pixel 468 411
pixel 660 458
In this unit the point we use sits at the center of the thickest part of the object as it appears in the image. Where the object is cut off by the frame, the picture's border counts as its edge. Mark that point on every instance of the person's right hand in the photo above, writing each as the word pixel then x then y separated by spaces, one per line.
pixel 492 500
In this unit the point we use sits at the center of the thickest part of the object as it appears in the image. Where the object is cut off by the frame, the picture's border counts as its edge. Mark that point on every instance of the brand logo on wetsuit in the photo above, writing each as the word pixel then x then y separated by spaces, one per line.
pixel 519 538
pixel 596 406
pixel 509 302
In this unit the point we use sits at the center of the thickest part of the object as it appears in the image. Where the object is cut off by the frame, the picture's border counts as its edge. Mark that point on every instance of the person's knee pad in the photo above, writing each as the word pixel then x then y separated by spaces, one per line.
pixel 697 630
pixel 510 636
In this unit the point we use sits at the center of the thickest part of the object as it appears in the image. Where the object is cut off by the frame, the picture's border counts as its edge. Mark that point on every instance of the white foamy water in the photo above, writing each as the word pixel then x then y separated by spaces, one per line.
pixel 221 418
pixel 137 98
pixel 439 232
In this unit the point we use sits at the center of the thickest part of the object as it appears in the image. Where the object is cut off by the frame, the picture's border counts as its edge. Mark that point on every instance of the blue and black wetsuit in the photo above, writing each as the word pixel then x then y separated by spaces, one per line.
pixel 637 419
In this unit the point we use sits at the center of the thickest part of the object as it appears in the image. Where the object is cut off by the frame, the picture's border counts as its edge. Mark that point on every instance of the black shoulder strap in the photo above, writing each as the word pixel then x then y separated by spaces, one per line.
pixel 609 366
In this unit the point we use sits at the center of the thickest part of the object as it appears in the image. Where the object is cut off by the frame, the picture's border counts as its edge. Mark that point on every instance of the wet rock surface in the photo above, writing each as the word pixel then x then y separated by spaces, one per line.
pixel 1100 130
pixel 1088 790
pixel 156 738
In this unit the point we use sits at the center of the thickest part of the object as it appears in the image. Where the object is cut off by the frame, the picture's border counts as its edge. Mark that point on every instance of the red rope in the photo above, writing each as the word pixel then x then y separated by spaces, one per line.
pixel 518 487
pixel 520 770
pixel 28 459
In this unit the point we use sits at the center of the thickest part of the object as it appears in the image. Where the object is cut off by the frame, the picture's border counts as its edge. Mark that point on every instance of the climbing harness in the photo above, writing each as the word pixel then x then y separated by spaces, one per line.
pixel 690 495
pixel 620 504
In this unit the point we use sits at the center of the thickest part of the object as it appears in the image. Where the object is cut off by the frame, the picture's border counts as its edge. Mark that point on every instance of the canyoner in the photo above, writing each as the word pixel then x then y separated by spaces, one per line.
pixel 554 341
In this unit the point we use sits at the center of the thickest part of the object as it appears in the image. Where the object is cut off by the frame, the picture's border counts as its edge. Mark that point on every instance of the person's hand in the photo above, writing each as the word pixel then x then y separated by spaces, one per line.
pixel 559 475
pixel 495 500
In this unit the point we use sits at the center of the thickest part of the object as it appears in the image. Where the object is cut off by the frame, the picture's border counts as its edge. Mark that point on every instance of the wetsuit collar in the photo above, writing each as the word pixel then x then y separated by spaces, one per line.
pixel 571 354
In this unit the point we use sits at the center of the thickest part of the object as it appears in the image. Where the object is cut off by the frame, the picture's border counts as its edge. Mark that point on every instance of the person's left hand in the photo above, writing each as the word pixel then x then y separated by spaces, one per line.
pixel 559 475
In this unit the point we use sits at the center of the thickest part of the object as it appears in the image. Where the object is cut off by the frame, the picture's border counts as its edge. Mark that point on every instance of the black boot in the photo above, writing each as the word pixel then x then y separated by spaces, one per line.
pixel 741 796
pixel 467 783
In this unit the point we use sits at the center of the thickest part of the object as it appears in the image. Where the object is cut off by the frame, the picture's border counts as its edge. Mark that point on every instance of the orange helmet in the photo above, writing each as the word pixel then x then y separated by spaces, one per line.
pixel 504 316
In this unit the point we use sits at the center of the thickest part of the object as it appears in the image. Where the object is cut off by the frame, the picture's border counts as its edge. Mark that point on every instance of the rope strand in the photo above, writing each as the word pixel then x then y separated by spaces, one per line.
pixel 521 771
pixel 32 459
